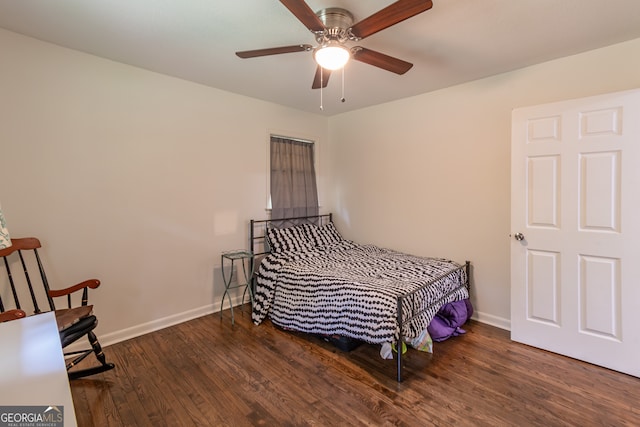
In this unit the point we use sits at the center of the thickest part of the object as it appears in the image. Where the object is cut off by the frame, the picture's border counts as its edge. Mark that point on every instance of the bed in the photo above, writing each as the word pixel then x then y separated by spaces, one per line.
pixel 312 280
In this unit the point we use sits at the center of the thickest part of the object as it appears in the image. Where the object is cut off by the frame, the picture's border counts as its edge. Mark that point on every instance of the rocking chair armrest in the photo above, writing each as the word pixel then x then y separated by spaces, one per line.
pixel 91 283
pixel 12 315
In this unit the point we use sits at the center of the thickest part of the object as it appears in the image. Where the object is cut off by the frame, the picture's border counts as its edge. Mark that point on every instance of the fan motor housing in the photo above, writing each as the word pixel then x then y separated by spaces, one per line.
pixel 335 17
pixel 337 22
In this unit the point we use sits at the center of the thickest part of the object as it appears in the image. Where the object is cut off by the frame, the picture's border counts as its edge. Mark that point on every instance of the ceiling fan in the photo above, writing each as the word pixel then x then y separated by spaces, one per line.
pixel 333 27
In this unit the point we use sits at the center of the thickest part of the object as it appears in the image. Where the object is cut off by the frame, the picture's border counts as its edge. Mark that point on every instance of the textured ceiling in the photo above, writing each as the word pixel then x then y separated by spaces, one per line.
pixel 454 42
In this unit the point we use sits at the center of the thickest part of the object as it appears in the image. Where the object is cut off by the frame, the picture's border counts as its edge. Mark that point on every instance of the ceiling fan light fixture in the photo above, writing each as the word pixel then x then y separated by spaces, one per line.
pixel 332 56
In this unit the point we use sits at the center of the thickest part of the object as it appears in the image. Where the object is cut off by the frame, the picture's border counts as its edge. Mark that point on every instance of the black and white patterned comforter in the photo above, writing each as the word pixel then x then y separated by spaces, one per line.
pixel 351 290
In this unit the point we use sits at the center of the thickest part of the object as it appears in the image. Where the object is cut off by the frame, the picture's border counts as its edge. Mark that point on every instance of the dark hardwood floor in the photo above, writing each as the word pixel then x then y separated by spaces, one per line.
pixel 206 372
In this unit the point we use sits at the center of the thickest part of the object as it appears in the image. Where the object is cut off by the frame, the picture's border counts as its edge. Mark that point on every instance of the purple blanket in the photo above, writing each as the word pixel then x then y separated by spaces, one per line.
pixel 448 321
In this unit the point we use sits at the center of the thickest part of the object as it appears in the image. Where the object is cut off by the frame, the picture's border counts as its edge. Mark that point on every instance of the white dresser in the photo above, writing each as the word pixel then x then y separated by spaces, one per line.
pixel 32 371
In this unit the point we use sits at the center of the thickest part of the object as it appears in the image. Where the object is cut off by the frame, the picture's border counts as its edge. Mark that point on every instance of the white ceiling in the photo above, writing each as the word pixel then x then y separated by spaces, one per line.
pixel 454 42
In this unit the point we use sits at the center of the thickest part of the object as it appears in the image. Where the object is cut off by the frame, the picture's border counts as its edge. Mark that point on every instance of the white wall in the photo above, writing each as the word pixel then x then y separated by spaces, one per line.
pixel 132 177
pixel 141 180
pixel 430 174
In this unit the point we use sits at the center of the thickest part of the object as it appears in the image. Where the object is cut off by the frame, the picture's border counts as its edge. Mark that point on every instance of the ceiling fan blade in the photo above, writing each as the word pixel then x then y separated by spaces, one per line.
pixel 321 78
pixel 390 15
pixel 274 51
pixel 381 60
pixel 305 14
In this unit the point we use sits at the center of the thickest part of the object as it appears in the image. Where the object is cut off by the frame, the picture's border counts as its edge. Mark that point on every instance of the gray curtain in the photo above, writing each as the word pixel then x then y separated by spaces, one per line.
pixel 293 179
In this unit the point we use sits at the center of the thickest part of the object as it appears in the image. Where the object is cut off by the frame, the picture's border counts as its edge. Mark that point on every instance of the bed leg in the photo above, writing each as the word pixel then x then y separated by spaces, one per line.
pixel 467 268
pixel 400 339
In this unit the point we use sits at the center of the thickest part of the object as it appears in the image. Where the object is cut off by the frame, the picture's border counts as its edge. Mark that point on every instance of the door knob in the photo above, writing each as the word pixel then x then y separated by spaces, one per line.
pixel 519 236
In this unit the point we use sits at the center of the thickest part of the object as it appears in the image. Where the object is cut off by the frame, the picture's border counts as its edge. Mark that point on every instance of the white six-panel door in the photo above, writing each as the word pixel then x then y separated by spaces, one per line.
pixel 575 221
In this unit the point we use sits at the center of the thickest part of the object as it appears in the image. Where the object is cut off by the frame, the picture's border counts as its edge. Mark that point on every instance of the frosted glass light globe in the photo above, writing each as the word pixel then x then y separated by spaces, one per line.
pixel 332 57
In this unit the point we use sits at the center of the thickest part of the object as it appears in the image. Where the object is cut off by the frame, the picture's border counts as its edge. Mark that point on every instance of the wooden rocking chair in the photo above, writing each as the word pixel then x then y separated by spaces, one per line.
pixel 73 322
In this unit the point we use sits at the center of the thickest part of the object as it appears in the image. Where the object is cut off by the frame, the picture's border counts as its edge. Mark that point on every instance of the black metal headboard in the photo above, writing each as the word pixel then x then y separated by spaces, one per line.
pixel 259 227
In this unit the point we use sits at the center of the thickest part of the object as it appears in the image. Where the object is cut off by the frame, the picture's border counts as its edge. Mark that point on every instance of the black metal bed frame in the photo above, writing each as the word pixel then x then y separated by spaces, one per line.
pixel 401 298
pixel 260 238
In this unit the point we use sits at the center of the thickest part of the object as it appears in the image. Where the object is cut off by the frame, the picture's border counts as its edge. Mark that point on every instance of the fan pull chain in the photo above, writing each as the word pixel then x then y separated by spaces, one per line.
pixel 342 99
pixel 321 85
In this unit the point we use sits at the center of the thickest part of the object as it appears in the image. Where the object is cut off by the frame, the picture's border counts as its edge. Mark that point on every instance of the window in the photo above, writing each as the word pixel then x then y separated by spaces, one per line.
pixel 293 185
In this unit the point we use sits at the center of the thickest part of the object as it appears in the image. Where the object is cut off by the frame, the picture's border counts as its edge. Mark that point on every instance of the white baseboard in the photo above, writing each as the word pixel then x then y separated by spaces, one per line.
pixel 489 319
pixel 154 325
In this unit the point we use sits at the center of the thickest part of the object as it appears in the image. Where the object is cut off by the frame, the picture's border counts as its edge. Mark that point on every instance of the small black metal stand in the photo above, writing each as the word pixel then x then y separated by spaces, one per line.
pixel 246 259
